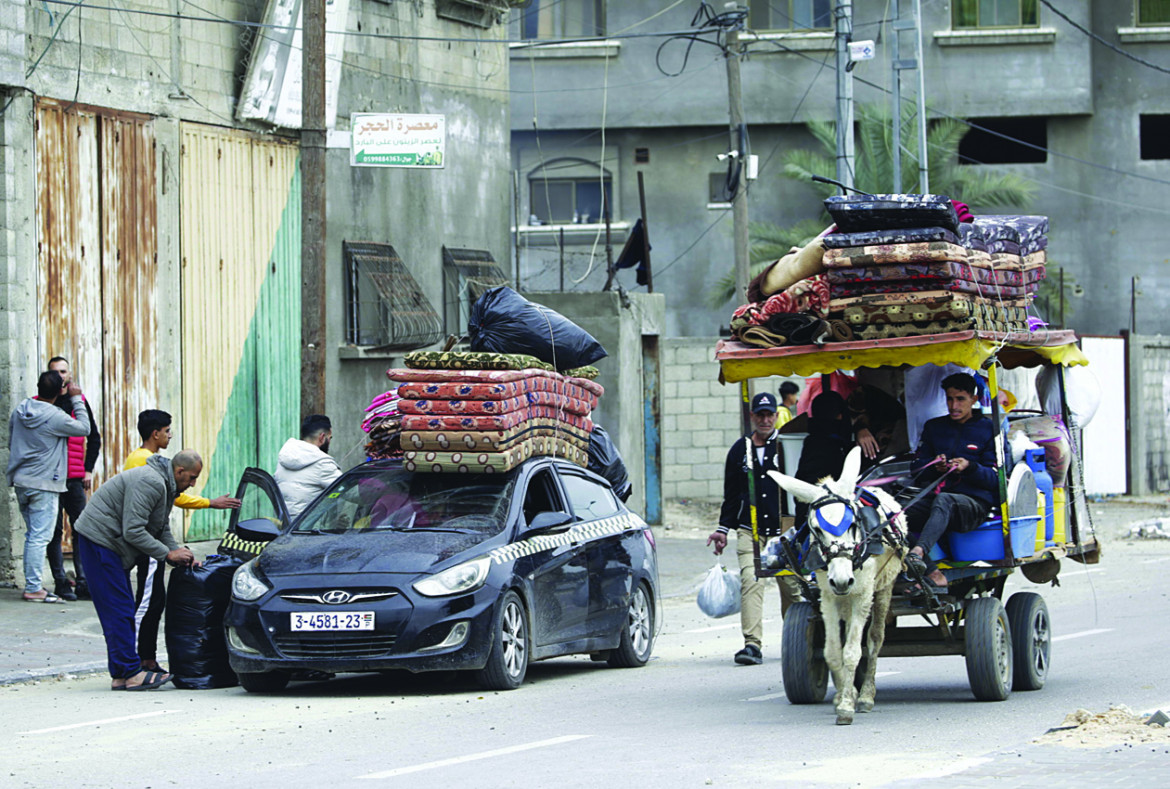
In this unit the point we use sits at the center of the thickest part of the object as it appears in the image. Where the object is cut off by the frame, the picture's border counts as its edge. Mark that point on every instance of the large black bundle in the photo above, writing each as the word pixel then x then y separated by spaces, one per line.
pixel 503 321
pixel 606 461
pixel 197 598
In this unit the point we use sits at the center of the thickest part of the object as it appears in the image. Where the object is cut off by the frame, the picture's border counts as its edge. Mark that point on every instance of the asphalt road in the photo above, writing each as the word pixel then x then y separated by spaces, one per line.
pixel 688 718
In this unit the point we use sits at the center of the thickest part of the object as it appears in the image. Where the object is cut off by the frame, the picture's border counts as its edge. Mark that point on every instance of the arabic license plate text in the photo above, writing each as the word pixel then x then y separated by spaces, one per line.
pixel 348 620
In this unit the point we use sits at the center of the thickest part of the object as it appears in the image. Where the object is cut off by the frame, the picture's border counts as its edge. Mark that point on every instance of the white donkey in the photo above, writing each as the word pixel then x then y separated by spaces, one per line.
pixel 855 584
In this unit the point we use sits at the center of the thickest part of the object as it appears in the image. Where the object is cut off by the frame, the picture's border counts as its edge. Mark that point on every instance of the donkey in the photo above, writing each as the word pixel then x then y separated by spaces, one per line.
pixel 858 581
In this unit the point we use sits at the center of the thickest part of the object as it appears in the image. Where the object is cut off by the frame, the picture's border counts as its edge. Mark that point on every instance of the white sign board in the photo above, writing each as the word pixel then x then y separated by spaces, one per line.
pixel 272 86
pixel 1104 452
pixel 395 140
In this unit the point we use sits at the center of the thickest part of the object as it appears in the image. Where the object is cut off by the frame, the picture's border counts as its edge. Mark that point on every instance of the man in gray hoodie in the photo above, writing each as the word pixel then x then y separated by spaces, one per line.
pixel 38 442
pixel 128 517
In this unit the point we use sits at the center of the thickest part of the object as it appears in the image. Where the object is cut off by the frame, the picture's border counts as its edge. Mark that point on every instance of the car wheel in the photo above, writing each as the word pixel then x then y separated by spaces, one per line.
pixel 1031 640
pixel 266 682
pixel 637 639
pixel 508 660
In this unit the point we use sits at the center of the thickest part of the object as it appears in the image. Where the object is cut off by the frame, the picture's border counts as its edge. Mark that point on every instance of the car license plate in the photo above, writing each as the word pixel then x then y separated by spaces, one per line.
pixel 347 620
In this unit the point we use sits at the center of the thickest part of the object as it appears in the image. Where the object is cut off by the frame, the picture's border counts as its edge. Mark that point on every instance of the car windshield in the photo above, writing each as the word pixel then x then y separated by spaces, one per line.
pixel 400 500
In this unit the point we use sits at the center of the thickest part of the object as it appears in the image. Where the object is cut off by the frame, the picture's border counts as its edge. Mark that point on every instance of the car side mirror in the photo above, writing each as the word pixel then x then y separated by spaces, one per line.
pixel 257 530
pixel 550 523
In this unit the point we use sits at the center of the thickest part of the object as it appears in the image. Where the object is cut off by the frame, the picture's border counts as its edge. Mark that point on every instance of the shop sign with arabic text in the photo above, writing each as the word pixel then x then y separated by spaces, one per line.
pixel 385 140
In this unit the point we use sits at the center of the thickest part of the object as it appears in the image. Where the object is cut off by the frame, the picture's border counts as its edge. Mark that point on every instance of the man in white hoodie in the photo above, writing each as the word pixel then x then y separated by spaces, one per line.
pixel 304 467
pixel 38 467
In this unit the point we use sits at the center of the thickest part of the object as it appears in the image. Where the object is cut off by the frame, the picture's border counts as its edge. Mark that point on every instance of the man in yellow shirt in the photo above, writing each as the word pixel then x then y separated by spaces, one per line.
pixel 150 594
pixel 789 392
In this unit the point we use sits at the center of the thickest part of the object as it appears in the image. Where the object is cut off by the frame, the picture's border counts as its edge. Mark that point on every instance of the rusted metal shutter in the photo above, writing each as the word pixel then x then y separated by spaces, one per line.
pixel 130 297
pixel 240 252
pixel 97 273
pixel 69 282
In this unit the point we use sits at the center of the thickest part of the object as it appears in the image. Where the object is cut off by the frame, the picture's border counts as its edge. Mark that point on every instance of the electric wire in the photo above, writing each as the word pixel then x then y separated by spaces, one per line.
pixel 1102 41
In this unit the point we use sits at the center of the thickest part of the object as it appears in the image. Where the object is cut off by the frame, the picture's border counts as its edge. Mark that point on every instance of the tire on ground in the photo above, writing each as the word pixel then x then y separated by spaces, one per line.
pixel 806 675
pixel 988 647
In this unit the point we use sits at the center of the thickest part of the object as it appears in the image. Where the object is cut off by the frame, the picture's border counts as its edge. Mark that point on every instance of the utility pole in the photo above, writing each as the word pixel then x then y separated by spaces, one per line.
pixel 899 65
pixel 739 207
pixel 843 16
pixel 313 207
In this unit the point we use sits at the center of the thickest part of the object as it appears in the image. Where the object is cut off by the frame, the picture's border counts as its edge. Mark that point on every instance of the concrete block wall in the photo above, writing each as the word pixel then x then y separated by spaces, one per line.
pixel 702 418
pixel 1149 426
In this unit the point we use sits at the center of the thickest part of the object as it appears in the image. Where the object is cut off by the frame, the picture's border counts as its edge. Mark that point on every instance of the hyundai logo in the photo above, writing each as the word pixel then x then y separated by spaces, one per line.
pixel 336 597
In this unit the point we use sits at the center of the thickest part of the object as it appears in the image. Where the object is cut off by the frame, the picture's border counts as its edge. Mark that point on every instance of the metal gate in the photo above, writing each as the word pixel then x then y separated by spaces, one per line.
pixel 240 250
pixel 97 266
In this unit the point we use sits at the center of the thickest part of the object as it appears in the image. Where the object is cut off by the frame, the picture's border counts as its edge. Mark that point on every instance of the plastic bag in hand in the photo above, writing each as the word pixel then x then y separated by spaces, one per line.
pixel 719 593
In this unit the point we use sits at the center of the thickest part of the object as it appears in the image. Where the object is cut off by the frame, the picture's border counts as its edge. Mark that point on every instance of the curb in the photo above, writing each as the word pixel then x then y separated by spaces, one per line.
pixel 50 672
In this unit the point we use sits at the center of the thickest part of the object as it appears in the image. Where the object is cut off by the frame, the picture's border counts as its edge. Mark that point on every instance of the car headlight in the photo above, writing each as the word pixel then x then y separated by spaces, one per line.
pixel 246 586
pixel 466 577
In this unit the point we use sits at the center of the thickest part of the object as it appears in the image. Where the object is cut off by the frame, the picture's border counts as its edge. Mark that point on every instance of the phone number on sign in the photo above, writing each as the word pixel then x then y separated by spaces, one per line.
pixel 351 620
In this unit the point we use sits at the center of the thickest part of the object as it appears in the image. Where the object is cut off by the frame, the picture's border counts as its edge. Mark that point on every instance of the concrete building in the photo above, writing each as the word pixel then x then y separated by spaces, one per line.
pixel 152 237
pixel 1093 118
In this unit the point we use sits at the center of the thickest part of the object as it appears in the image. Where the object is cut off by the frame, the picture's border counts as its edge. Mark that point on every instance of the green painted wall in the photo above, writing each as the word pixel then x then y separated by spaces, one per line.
pixel 264 408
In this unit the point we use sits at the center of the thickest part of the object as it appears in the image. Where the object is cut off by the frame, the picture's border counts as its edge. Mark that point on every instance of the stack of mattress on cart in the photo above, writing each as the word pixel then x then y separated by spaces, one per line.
pixel 904 265
pixel 486 412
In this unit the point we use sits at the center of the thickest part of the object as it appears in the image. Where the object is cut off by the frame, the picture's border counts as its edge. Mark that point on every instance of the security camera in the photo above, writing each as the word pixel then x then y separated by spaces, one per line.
pixel 723 157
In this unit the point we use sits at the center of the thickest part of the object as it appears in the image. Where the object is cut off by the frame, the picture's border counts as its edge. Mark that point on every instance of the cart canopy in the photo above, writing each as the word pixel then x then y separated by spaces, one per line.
pixel 739 362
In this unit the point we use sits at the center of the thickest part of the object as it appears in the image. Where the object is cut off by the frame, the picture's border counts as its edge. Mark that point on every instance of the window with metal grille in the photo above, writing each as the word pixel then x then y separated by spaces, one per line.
pixel 790 14
pixel 385 307
pixel 968 14
pixel 467 273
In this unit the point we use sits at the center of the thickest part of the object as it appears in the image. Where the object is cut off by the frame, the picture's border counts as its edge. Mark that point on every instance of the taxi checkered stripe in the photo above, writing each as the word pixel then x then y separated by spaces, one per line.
pixel 606 527
pixel 232 543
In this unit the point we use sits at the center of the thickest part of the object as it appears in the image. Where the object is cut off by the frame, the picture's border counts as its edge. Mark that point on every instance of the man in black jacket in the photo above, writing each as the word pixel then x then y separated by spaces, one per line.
pixel 735 514
pixel 963 444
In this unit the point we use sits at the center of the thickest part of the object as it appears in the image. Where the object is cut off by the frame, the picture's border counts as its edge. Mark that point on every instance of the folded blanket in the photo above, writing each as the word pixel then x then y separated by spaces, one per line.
pixel 799 329
pixel 429 422
pixel 972 236
pixel 885 254
pixel 761 337
pixel 1039 257
pixel 472 360
pixel 573 405
pixel 890 330
pixel 860 213
pixel 451 390
pixel 839 305
pixel 494 440
pixel 407 375
pixel 906 236
pixel 492 462
pixel 939 272
pixel 994 292
pixel 1006 261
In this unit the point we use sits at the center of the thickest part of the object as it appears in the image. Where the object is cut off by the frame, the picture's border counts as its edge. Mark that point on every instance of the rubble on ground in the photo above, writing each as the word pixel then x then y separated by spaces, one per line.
pixel 1119 725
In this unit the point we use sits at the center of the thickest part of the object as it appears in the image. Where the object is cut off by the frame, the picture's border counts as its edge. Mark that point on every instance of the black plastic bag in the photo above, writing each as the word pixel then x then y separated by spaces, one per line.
pixel 197 598
pixel 606 461
pixel 503 321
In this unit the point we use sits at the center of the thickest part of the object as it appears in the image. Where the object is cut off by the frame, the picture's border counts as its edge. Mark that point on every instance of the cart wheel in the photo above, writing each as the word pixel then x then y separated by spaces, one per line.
pixel 806 675
pixel 988 648
pixel 1031 640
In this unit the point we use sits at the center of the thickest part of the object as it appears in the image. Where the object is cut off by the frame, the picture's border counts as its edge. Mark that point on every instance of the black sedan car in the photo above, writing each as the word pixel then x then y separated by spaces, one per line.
pixel 392 569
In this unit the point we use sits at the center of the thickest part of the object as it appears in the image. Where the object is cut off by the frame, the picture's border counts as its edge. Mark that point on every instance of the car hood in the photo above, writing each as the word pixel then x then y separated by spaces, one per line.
pixel 369 552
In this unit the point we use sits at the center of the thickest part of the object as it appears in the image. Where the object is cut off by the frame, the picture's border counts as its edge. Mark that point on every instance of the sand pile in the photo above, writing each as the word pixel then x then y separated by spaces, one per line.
pixel 1119 725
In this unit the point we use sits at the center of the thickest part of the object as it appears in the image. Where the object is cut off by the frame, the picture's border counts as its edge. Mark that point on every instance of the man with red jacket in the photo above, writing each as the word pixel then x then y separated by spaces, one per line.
pixel 82 453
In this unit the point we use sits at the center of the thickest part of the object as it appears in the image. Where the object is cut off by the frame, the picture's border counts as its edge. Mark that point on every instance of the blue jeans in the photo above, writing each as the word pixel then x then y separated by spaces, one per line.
pixel 39 509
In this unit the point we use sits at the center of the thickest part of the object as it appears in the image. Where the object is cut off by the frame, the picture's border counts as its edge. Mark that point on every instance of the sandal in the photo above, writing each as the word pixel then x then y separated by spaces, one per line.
pixel 48 597
pixel 152 680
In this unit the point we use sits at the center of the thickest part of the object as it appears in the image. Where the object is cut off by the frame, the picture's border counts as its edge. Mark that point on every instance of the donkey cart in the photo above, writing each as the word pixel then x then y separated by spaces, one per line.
pixel 856 531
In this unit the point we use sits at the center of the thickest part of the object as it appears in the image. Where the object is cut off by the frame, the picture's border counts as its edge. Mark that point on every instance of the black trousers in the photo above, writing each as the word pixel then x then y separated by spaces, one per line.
pixel 150 599
pixel 932 516
pixel 72 503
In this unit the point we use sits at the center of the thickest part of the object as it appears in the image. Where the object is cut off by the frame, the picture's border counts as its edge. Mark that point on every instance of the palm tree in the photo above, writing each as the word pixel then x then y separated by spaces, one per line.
pixel 980 188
